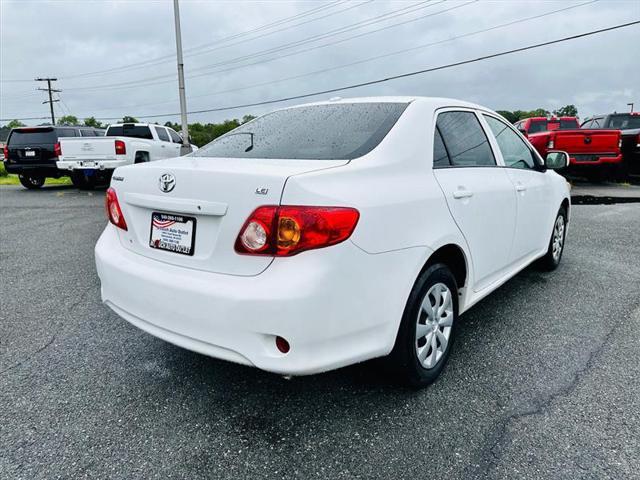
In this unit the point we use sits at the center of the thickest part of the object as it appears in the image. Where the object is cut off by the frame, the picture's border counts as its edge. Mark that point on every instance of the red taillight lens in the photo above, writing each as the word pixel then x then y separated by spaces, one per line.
pixel 5 151
pixel 121 148
pixel 114 213
pixel 57 149
pixel 288 230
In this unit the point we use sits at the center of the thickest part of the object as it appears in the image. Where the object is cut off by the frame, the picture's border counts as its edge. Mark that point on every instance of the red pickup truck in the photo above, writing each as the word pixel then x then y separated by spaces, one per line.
pixel 595 153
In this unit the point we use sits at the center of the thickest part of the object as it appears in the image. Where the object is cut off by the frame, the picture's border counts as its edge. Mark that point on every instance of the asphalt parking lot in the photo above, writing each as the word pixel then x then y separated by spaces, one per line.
pixel 544 381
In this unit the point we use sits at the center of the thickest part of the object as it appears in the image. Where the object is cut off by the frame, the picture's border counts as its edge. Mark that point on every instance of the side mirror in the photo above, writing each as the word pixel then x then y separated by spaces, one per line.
pixel 523 131
pixel 556 160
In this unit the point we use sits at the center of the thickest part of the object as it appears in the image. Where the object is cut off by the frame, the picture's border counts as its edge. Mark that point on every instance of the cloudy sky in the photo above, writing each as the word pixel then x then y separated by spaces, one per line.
pixel 113 58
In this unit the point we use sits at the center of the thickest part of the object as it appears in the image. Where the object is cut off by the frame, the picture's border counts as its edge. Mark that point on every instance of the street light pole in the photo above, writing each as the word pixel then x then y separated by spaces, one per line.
pixel 183 99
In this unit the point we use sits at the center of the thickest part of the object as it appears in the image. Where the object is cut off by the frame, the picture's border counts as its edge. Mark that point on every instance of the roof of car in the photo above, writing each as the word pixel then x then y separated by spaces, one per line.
pixel 435 102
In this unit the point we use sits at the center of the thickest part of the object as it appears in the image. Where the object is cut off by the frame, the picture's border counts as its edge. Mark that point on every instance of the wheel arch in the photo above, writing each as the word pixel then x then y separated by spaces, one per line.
pixel 454 257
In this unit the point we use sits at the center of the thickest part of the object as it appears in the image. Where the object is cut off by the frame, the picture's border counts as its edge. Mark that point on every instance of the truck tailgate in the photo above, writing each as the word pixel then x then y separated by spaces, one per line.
pixel 88 148
pixel 587 141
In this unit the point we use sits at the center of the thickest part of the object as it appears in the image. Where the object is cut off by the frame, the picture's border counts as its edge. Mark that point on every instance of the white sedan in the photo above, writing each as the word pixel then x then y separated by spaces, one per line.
pixel 327 234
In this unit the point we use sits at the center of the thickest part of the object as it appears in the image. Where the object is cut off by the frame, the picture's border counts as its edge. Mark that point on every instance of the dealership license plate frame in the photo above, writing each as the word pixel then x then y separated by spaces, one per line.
pixel 177 219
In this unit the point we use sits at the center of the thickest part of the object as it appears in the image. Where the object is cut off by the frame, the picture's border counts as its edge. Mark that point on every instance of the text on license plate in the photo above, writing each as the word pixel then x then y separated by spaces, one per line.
pixel 29 153
pixel 174 233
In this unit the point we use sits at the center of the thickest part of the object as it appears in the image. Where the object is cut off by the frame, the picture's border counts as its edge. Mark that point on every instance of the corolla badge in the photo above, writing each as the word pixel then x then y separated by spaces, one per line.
pixel 167 182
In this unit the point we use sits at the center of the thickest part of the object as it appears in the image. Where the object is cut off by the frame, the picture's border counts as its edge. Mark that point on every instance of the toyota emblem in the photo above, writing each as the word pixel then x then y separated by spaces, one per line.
pixel 167 182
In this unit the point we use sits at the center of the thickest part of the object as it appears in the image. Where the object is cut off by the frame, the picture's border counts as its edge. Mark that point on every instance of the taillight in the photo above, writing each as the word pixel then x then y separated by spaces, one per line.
pixel 5 150
pixel 57 149
pixel 288 230
pixel 637 142
pixel 114 213
pixel 121 148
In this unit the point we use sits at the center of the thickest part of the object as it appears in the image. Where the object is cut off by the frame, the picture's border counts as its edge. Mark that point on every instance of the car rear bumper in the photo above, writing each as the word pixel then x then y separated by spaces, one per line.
pixel 91 164
pixel 335 306
pixel 40 169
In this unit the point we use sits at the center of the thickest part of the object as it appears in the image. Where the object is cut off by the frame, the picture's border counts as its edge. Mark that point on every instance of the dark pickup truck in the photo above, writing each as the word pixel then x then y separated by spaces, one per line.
pixel 629 125
pixel 32 152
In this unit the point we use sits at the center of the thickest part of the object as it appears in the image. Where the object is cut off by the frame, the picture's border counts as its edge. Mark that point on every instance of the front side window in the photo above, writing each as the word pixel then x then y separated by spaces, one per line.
pixel 174 136
pixel 339 131
pixel 162 134
pixel 515 152
pixel 464 139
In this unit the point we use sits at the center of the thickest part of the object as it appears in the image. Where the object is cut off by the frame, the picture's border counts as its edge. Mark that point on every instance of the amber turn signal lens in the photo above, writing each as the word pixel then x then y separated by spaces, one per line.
pixel 288 232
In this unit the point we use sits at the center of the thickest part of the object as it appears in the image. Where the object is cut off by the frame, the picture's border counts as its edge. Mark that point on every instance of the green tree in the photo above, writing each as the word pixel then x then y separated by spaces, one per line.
pixel 566 111
pixel 15 124
pixel 92 122
pixel 129 119
pixel 508 115
pixel 67 120
pixel 247 118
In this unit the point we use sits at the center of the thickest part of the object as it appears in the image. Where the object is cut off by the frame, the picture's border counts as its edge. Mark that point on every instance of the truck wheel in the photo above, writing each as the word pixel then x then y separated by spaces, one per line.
pixel 32 183
pixel 82 181
pixel 141 157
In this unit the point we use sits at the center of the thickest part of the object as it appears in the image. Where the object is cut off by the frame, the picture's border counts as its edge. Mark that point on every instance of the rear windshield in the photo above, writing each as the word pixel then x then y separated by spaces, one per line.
pixel 318 132
pixel 32 136
pixel 133 131
pixel 624 122
pixel 538 126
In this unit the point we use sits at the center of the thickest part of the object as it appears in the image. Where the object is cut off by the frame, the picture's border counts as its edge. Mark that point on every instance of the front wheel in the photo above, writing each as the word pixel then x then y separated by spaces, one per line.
pixel 552 258
pixel 32 183
pixel 427 328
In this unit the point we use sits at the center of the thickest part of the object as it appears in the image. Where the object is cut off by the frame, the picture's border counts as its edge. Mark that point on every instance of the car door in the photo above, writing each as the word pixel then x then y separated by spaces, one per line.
pixel 177 141
pixel 165 147
pixel 531 185
pixel 479 194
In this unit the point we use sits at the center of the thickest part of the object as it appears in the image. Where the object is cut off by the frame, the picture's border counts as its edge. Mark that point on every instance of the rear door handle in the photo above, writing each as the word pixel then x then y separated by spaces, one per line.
pixel 520 187
pixel 462 193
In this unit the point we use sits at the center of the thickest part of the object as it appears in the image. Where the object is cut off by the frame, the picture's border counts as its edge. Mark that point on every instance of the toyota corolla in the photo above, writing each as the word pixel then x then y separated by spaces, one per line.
pixel 327 234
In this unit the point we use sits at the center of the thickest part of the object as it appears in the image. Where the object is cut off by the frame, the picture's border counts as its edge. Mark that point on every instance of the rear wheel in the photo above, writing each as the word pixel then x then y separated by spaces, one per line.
pixel 552 258
pixel 427 328
pixel 31 182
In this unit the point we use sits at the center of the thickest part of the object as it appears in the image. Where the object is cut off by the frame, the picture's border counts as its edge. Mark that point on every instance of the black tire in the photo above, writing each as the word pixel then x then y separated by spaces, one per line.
pixel 404 358
pixel 32 183
pixel 550 261
pixel 141 157
pixel 82 181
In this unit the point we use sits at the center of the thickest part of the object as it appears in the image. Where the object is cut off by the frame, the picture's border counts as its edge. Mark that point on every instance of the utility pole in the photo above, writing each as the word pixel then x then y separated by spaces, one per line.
pixel 50 90
pixel 186 145
pixel 631 105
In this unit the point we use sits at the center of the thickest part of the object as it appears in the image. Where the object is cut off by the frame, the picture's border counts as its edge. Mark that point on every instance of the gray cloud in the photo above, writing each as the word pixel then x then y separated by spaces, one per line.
pixel 66 38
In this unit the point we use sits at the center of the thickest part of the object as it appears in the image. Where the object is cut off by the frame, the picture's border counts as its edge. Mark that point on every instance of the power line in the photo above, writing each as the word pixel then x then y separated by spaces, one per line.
pixel 167 58
pixel 390 78
pixel 149 81
pixel 369 59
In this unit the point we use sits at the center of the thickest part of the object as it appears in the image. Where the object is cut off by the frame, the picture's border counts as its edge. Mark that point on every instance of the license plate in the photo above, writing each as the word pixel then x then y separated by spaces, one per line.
pixel 173 233
pixel 29 153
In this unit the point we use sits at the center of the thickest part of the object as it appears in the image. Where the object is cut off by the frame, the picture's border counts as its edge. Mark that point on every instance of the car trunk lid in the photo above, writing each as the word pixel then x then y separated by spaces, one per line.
pixel 219 194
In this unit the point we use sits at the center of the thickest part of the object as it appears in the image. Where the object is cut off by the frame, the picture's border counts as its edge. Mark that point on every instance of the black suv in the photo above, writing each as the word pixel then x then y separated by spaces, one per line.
pixel 629 126
pixel 32 152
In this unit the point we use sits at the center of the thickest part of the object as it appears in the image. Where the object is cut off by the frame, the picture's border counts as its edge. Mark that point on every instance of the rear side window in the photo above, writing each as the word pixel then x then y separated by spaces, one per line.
pixel 162 134
pixel 340 131
pixel 624 122
pixel 464 139
pixel 174 136
pixel 32 136
pixel 440 155
pixel 568 124
pixel 87 133
pixel 130 130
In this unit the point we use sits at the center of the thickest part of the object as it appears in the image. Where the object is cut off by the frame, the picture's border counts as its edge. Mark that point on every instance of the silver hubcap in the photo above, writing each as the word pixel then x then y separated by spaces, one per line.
pixel 433 327
pixel 558 238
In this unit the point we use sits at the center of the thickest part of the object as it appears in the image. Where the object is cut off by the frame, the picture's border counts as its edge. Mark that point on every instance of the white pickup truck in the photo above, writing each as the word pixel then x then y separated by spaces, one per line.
pixel 93 160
